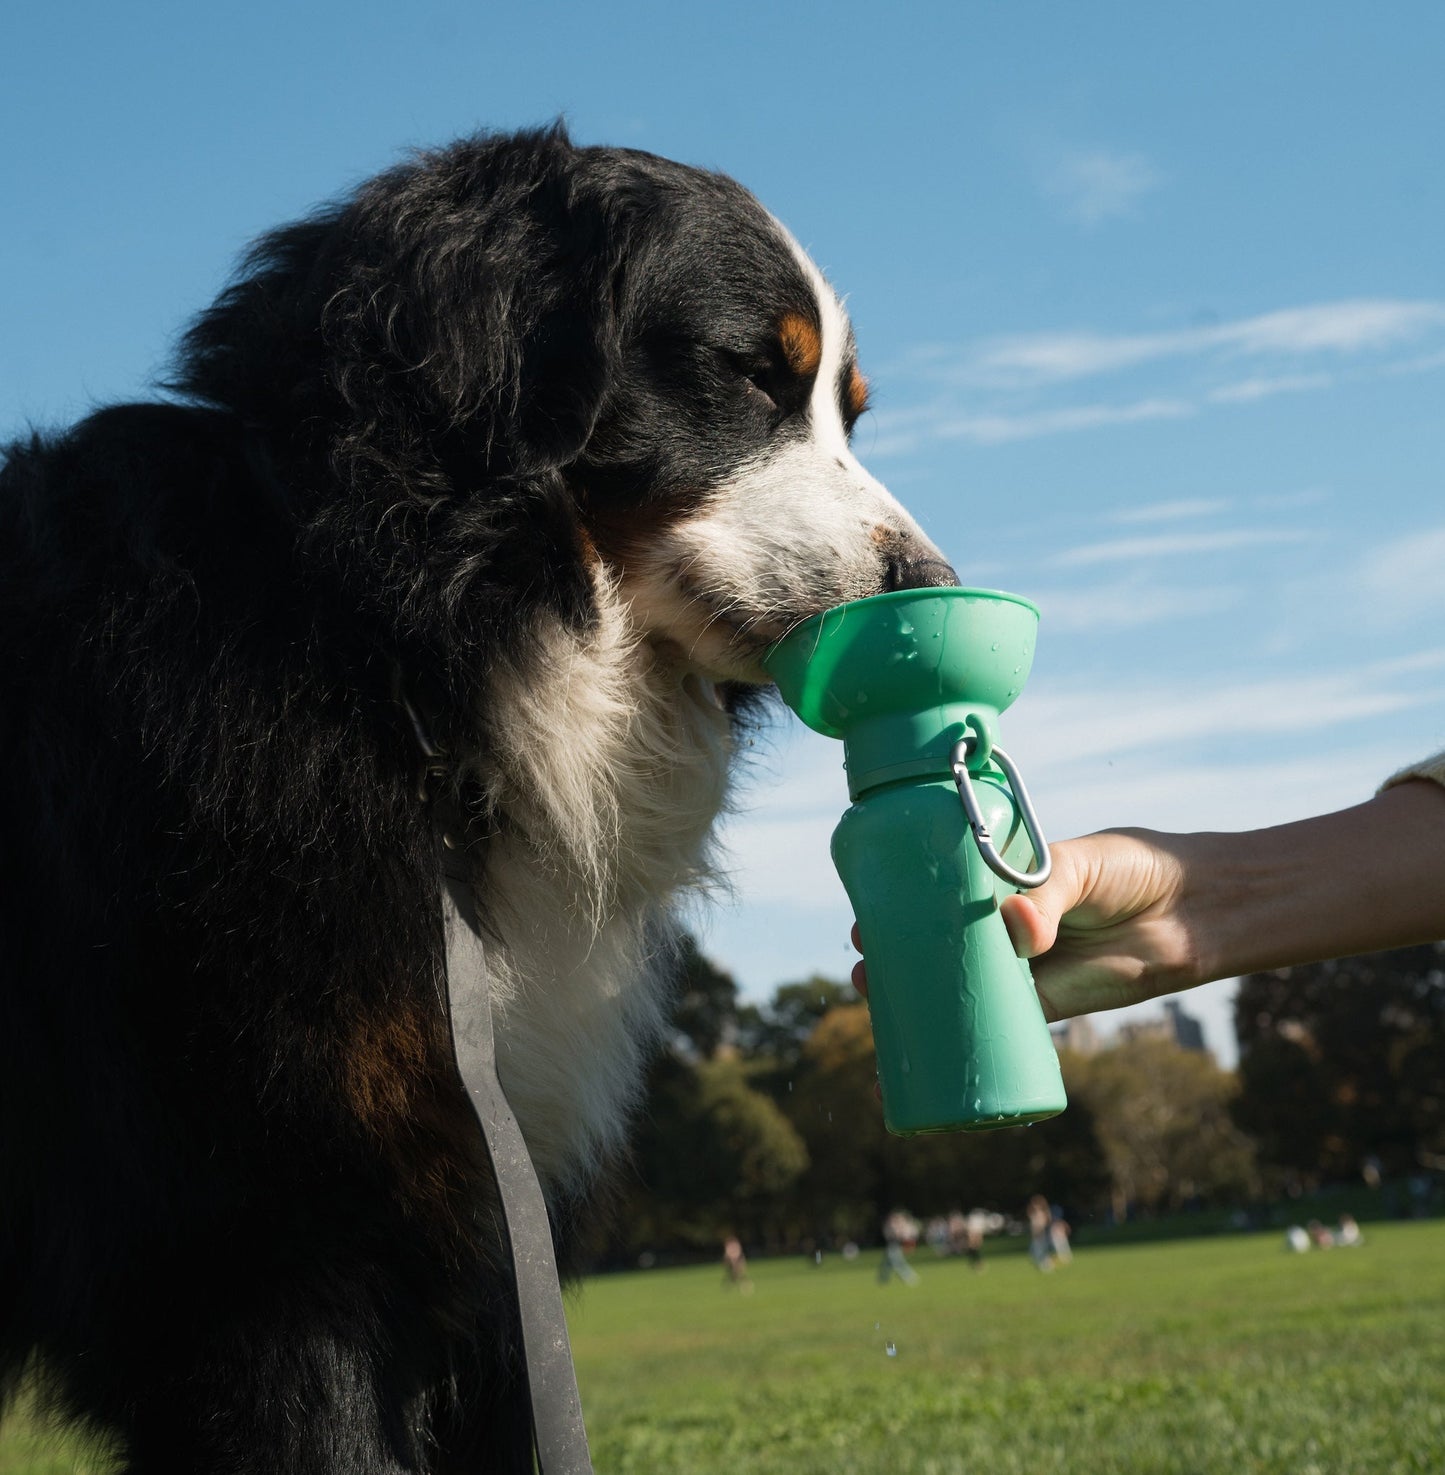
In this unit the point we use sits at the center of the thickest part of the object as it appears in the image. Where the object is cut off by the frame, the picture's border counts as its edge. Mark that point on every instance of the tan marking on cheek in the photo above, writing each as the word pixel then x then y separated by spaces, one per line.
pixel 802 344
pixel 591 558
pixel 856 392
pixel 622 536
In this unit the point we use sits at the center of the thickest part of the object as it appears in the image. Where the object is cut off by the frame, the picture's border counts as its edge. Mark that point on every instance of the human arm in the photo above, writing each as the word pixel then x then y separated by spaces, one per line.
pixel 1130 914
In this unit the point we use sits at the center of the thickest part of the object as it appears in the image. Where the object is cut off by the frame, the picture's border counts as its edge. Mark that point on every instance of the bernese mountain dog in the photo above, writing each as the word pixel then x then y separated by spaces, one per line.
pixel 555 439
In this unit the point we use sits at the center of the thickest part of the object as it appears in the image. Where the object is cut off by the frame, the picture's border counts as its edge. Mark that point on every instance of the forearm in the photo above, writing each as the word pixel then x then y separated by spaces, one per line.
pixel 1363 879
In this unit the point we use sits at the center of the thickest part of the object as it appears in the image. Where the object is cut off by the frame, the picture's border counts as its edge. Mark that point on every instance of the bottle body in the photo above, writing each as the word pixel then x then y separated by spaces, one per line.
pixel 961 1038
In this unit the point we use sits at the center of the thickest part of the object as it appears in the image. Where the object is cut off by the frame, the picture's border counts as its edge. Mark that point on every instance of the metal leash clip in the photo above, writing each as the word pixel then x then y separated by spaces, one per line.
pixel 1043 861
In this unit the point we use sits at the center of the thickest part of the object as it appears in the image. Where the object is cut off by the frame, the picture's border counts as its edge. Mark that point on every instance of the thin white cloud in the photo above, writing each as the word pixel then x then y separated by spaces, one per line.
pixel 1128 606
pixel 1402 580
pixel 1096 185
pixel 995 429
pixel 1170 545
pixel 1067 727
pixel 995 392
pixel 1265 386
pixel 1346 327
pixel 1180 510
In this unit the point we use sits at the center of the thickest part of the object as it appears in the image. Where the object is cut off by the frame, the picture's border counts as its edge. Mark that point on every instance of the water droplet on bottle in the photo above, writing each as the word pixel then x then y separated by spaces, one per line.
pixel 891 1350
pixel 994 646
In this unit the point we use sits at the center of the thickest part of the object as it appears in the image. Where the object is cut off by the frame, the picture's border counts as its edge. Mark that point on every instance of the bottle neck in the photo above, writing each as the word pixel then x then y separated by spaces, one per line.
pixel 895 746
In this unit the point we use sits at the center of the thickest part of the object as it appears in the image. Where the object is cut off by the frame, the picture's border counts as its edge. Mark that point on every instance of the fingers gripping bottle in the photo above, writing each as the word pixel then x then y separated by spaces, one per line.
pixel 940 831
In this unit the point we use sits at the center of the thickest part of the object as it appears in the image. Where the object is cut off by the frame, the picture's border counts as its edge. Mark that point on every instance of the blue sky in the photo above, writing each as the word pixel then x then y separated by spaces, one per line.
pixel 1151 296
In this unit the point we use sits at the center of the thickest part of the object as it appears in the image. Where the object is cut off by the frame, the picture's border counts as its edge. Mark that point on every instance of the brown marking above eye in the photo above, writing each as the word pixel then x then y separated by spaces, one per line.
pixel 855 392
pixel 802 344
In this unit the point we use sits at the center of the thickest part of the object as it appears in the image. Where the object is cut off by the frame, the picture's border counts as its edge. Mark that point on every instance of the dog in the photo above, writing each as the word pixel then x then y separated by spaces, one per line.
pixel 553 442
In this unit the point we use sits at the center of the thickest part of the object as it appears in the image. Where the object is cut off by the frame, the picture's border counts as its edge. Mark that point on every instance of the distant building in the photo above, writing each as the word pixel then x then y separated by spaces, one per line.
pixel 1175 1026
pixel 1078 1035
pixel 1188 1032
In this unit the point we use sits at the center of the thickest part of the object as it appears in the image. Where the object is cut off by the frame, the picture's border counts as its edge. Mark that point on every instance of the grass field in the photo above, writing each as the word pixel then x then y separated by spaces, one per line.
pixel 1219 1355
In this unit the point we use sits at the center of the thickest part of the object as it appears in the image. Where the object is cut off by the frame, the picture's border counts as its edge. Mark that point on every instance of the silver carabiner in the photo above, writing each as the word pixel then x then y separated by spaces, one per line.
pixel 1043 861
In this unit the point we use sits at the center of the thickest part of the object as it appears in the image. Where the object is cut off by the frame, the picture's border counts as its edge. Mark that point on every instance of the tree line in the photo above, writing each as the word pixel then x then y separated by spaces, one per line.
pixel 761 1120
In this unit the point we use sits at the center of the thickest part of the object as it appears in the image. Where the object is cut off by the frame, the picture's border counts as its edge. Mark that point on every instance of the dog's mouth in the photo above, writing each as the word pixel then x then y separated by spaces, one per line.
pixel 716 631
pixel 741 634
pixel 752 632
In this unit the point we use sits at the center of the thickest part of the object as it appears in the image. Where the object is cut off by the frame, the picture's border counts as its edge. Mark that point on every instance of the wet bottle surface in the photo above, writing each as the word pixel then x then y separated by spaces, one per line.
pixel 961 1038
pixel 913 683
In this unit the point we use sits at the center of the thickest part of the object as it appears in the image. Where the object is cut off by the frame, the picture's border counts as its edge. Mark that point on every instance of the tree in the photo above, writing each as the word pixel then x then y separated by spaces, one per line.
pixel 705 1007
pixel 1163 1120
pixel 778 1031
pixel 833 1108
pixel 712 1156
pixel 1345 1060
pixel 858 1171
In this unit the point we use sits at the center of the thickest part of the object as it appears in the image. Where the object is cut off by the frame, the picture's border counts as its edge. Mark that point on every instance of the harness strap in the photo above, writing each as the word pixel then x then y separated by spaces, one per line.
pixel 557 1427
pixel 558 1433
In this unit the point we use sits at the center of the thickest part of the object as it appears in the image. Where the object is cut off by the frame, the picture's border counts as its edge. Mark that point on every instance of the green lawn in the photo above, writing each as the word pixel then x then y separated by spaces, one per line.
pixel 1224 1355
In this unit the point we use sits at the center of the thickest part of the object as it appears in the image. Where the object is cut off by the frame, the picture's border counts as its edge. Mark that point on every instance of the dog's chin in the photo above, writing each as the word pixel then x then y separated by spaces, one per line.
pixel 715 652
pixel 722 646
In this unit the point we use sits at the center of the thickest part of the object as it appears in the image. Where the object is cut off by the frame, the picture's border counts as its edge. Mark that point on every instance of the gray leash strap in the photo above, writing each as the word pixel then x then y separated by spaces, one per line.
pixel 561 1437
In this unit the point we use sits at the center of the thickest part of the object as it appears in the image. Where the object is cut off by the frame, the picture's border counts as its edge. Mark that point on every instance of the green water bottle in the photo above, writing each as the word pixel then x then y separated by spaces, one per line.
pixel 940 831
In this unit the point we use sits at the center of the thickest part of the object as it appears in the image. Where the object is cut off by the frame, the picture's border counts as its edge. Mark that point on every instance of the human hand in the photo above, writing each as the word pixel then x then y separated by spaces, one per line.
pixel 1111 926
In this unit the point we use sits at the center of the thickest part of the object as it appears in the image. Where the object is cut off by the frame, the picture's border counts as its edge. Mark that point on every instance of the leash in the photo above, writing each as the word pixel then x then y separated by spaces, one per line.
pixel 558 1433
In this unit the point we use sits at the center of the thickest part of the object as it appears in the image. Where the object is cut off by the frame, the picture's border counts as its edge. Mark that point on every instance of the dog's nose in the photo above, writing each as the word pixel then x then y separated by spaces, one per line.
pixel 923 571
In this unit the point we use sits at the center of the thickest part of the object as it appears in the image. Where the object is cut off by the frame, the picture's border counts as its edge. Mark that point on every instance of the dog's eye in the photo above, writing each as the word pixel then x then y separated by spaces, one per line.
pixel 763 383
pixel 762 380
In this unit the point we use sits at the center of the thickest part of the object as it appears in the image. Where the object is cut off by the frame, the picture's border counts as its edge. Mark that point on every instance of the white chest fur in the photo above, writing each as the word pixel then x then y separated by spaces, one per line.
pixel 613 769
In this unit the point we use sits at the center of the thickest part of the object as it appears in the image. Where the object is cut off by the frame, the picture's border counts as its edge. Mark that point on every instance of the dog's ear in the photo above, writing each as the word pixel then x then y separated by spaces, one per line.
pixel 483 297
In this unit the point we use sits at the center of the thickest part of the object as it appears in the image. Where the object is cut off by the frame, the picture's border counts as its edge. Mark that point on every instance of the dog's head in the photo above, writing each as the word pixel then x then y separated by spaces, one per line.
pixel 551 357
pixel 718 477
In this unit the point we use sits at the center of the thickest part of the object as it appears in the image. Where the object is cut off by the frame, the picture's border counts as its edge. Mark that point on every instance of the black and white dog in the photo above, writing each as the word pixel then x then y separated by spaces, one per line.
pixel 560 436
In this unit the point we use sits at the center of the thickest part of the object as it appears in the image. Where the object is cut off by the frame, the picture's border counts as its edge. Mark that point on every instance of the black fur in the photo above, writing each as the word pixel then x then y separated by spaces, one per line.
pixel 243 1221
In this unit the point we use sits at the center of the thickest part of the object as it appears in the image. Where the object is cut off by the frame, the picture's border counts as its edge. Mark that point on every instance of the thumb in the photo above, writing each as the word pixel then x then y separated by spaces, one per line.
pixel 1032 917
pixel 1031 929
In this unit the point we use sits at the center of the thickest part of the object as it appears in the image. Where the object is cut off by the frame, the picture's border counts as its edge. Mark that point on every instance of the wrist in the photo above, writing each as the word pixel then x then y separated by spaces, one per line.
pixel 1360 880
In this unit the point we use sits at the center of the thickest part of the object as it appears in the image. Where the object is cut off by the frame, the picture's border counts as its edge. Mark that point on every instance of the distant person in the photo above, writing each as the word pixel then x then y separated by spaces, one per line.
pixel 1040 1220
pixel 936 1235
pixel 1130 914
pixel 900 1234
pixel 1348 1235
pixel 1059 1237
pixel 735 1265
pixel 1297 1239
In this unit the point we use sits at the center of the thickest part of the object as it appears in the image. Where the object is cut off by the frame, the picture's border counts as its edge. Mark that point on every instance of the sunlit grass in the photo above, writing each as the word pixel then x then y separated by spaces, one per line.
pixel 1221 1355
pixel 1224 1355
